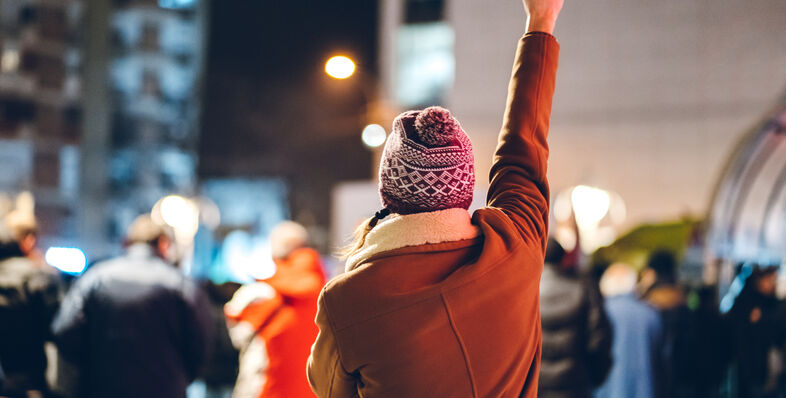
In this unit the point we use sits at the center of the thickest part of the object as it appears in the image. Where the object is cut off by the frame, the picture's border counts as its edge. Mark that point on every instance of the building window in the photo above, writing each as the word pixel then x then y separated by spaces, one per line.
pixel 422 11
pixel 426 64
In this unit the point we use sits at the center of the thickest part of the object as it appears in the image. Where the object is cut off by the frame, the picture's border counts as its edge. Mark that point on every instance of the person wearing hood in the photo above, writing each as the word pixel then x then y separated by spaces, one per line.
pixel 271 321
pixel 436 301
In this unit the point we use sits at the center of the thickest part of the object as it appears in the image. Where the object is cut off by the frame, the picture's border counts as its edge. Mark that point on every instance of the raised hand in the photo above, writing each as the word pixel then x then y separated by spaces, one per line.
pixel 542 14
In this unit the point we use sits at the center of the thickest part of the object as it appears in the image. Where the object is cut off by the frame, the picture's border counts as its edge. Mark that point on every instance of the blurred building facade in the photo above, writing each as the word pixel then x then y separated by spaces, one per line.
pixel 155 71
pixel 271 111
pixel 651 97
pixel 100 104
pixel 41 107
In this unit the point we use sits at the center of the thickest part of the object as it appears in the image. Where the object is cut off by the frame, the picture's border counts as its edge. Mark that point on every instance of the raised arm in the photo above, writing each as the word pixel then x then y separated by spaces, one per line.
pixel 518 183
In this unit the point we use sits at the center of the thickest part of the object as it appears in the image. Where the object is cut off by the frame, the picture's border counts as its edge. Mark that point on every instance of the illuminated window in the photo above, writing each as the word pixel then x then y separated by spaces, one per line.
pixel 177 4
pixel 426 64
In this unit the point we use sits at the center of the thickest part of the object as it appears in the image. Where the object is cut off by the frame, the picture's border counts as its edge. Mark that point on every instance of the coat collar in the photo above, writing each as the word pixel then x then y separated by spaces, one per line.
pixel 397 231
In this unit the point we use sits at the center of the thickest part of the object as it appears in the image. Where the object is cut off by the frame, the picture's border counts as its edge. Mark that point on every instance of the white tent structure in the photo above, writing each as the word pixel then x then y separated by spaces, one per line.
pixel 747 222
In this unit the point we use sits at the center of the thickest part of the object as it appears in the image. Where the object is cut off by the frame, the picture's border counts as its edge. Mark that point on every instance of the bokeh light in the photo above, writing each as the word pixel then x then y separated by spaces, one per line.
pixel 590 205
pixel 339 67
pixel 179 213
pixel 70 260
pixel 374 135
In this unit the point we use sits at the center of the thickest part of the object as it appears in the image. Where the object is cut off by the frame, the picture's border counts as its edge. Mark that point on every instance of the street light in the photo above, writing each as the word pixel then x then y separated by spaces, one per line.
pixel 179 213
pixel 374 135
pixel 339 67
pixel 588 213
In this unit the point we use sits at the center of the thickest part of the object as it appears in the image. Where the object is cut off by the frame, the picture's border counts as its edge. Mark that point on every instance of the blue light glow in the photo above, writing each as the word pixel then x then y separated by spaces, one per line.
pixel 70 260
pixel 176 4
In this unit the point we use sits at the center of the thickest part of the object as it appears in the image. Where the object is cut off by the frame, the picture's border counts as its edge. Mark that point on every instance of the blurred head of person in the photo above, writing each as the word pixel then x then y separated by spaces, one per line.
pixel 287 237
pixel 765 280
pixel 555 253
pixel 145 231
pixel 663 263
pixel 22 230
pixel 8 246
pixel 618 279
pixel 427 165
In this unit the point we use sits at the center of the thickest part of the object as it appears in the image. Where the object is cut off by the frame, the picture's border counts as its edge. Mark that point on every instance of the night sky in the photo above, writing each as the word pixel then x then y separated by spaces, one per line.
pixel 270 111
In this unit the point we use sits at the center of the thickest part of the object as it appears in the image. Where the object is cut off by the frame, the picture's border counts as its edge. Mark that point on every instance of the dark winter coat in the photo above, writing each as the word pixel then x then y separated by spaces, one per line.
pixel 28 301
pixel 134 327
pixel 576 335
pixel 756 325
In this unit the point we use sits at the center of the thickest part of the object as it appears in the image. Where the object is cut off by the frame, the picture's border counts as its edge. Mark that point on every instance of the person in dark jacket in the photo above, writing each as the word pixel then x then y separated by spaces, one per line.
pixel 708 335
pixel 29 298
pixel 756 328
pixel 664 293
pixel 135 326
pixel 220 372
pixel 577 337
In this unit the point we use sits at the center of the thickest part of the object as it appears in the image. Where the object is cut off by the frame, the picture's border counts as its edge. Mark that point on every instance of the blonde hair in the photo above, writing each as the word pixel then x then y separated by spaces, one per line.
pixel 359 236
pixel 358 239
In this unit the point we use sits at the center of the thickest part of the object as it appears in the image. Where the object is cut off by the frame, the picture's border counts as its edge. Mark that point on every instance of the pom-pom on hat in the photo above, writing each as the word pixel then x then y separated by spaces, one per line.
pixel 427 164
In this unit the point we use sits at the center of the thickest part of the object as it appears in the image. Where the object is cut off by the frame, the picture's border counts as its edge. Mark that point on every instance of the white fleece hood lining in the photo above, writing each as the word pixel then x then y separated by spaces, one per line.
pixel 397 231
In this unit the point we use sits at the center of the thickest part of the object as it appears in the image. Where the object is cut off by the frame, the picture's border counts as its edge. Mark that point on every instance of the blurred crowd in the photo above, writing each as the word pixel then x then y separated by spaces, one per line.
pixel 137 326
pixel 644 334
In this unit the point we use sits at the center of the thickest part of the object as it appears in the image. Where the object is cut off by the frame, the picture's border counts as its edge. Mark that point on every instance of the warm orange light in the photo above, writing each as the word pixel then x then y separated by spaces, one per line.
pixel 339 67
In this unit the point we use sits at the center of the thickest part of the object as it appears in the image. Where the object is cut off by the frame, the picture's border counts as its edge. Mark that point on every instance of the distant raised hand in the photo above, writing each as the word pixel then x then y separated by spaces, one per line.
pixel 542 14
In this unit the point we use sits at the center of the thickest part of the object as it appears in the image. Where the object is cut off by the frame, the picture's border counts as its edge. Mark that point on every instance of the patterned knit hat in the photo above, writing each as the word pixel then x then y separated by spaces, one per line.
pixel 427 164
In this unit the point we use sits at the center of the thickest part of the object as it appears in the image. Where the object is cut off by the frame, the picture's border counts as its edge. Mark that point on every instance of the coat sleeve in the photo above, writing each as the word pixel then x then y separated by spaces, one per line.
pixel 45 296
pixel 326 374
pixel 69 327
pixel 518 183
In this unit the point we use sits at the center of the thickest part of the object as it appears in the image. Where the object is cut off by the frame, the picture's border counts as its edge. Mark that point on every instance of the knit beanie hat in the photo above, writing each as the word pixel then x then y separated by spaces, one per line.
pixel 427 164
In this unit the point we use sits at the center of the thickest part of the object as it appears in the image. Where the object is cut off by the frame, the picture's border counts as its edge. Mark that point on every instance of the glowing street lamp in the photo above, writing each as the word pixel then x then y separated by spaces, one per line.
pixel 589 213
pixel 590 205
pixel 339 67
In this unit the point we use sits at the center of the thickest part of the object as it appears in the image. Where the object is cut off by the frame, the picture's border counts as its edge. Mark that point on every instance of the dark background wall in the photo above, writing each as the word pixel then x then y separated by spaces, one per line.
pixel 269 108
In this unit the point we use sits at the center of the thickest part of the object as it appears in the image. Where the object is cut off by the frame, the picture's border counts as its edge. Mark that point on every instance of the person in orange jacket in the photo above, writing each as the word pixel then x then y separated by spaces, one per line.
pixel 438 302
pixel 271 321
